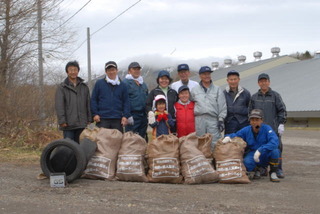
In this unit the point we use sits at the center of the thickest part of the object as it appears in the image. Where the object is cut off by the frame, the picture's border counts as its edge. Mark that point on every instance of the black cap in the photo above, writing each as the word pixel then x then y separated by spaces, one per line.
pixel 163 73
pixel 256 113
pixel 263 76
pixel 134 65
pixel 204 69
pixel 182 88
pixel 233 72
pixel 182 67
pixel 110 64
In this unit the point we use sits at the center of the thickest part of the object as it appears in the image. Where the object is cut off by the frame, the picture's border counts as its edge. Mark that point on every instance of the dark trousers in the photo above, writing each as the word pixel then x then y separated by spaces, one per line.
pixel 110 124
pixel 140 124
pixel 73 134
pixel 233 126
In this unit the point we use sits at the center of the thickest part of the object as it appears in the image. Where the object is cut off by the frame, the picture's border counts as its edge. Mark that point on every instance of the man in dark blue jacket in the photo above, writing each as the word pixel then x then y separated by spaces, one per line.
pixel 138 93
pixel 238 99
pixel 262 145
pixel 110 104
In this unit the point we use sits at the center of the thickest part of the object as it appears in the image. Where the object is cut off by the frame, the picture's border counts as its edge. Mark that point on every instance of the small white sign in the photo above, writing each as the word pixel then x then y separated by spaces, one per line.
pixel 58 179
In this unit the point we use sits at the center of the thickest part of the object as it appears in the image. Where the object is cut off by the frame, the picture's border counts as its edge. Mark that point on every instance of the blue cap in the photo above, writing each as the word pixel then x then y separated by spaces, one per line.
pixel 182 88
pixel 163 73
pixel 183 67
pixel 134 65
pixel 233 72
pixel 204 69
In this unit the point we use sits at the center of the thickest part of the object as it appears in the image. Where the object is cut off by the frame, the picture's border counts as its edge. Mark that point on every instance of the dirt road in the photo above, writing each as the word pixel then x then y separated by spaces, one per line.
pixel 299 192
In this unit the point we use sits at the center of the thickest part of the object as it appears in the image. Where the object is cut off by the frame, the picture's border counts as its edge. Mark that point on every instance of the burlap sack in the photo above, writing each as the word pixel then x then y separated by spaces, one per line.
pixel 195 167
pixel 204 145
pixel 229 161
pixel 163 160
pixel 103 164
pixel 90 132
pixel 130 165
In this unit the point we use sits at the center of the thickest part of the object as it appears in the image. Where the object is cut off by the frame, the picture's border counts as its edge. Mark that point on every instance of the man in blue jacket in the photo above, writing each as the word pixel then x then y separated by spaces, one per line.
pixel 238 99
pixel 138 93
pixel 110 104
pixel 262 145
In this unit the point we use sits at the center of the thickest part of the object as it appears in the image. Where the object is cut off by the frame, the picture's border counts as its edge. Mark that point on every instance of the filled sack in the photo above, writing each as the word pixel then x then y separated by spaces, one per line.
pixel 229 161
pixel 130 165
pixel 90 132
pixel 204 145
pixel 195 167
pixel 102 164
pixel 163 160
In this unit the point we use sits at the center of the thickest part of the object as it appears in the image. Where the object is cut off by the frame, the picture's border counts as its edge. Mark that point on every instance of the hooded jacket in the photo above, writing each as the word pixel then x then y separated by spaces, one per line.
pixel 72 104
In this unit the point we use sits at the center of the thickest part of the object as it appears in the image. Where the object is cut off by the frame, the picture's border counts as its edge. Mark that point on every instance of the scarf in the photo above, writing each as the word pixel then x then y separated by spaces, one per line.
pixel 113 82
pixel 139 79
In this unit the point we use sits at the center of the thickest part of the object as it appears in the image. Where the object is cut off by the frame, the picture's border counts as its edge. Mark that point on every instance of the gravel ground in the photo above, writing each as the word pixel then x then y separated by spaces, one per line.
pixel 299 192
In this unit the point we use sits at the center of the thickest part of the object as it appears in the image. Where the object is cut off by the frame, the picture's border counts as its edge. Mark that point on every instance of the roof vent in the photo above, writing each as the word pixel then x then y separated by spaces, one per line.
pixel 241 59
pixel 275 52
pixel 227 63
pixel 257 55
pixel 215 66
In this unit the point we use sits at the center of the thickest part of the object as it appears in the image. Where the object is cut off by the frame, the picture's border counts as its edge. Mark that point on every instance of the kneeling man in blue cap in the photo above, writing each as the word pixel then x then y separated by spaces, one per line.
pixel 262 145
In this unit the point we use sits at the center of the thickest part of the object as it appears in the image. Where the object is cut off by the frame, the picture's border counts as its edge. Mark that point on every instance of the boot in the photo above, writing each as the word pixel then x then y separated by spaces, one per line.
pixel 279 170
pixel 273 170
pixel 257 174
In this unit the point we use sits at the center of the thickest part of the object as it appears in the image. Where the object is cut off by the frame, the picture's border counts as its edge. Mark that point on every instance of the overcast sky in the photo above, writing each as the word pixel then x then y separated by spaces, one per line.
pixel 184 30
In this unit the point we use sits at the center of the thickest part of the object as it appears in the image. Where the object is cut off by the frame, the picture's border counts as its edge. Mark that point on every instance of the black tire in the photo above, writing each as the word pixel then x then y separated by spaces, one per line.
pixel 74 164
pixel 89 148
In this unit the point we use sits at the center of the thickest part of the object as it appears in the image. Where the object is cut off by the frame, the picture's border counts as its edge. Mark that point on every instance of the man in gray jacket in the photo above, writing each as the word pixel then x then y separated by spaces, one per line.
pixel 274 109
pixel 72 103
pixel 210 106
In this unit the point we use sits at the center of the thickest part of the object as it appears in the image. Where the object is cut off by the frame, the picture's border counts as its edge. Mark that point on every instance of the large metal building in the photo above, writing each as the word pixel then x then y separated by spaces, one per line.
pixel 296 81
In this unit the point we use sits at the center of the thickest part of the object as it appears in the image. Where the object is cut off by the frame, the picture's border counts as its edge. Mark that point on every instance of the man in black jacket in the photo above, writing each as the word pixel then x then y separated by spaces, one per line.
pixel 72 103
pixel 275 113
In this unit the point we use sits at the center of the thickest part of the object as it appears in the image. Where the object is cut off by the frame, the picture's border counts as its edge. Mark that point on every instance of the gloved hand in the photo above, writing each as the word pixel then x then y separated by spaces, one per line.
pixel 226 140
pixel 159 117
pixel 221 126
pixel 281 129
pixel 151 118
pixel 256 156
pixel 130 121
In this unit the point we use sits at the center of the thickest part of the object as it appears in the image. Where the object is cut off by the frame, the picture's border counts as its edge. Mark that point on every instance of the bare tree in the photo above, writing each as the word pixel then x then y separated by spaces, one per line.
pixel 18 49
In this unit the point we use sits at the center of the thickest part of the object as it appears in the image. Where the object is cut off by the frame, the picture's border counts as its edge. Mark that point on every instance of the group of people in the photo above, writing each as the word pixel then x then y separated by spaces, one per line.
pixel 181 107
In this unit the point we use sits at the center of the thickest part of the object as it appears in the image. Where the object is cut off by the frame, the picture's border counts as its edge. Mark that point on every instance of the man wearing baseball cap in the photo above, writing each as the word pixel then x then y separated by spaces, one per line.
pixel 210 106
pixel 138 93
pixel 238 99
pixel 110 105
pixel 184 74
pixel 262 145
pixel 275 113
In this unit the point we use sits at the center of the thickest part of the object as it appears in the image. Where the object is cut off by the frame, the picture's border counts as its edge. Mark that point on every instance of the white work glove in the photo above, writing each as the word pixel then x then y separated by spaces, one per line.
pixel 130 121
pixel 256 156
pixel 226 140
pixel 151 117
pixel 281 129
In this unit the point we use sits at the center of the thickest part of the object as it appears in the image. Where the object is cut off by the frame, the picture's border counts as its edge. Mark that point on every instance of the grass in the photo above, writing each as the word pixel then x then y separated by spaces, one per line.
pixel 19 155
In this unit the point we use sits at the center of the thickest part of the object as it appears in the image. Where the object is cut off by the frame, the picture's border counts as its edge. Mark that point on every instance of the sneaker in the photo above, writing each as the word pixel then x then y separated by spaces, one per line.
pixel 263 171
pixel 274 177
pixel 280 173
pixel 257 175
pixel 250 175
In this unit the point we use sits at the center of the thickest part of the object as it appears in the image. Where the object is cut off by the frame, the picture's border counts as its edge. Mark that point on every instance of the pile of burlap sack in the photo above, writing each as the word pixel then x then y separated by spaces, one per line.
pixel 166 159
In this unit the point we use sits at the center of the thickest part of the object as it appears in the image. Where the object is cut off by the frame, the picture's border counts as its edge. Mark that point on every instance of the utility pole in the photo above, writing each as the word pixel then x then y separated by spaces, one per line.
pixel 40 62
pixel 89 59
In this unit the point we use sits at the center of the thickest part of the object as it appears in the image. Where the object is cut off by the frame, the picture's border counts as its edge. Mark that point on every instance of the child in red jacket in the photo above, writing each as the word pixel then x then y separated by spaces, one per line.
pixel 185 121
